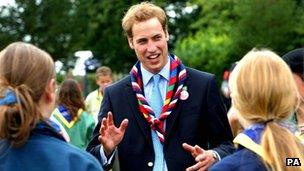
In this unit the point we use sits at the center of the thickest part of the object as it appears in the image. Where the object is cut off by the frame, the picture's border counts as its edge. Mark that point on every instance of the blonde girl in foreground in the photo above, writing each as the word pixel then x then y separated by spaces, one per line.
pixel 264 95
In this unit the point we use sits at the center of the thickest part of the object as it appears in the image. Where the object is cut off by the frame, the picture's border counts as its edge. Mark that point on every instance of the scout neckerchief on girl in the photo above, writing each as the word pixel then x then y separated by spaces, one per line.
pixel 250 138
pixel 177 79
pixel 65 117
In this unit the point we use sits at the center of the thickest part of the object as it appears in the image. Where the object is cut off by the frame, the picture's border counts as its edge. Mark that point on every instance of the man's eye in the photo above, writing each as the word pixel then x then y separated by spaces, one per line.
pixel 141 42
pixel 158 37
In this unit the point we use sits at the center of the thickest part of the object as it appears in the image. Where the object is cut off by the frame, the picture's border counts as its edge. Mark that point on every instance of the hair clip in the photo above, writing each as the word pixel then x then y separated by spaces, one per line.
pixel 9 98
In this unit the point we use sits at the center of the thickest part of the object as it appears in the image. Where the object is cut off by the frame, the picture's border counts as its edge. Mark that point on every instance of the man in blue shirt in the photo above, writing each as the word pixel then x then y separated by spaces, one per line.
pixel 148 115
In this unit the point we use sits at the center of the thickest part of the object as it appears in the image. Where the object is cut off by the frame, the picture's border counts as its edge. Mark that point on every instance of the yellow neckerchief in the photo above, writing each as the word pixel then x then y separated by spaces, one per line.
pixel 247 142
pixel 65 122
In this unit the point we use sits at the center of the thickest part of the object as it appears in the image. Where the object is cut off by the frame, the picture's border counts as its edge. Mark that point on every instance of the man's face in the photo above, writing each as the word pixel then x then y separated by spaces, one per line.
pixel 103 81
pixel 150 44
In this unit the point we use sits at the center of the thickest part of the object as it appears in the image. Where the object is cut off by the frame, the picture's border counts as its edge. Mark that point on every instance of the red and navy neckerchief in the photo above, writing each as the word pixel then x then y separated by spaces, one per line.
pixel 176 82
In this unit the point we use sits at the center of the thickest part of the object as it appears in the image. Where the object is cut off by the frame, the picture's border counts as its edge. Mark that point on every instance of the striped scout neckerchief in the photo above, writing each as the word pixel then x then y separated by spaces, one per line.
pixel 177 79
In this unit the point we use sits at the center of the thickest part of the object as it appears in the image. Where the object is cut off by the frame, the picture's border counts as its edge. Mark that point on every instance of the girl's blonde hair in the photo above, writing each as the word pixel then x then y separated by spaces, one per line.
pixel 263 89
pixel 25 70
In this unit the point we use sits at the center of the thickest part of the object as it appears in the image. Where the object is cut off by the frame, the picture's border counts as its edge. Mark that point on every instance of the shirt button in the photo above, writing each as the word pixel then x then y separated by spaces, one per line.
pixel 150 164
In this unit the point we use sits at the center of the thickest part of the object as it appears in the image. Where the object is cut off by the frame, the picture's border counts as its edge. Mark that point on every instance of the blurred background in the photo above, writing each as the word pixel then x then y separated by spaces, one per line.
pixel 208 35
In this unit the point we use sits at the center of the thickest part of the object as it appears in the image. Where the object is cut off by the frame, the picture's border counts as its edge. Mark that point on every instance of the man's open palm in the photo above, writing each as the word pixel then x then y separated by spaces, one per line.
pixel 110 135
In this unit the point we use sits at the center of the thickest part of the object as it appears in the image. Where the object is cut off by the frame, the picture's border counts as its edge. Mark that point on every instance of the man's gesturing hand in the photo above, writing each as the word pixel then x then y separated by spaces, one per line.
pixel 204 158
pixel 110 136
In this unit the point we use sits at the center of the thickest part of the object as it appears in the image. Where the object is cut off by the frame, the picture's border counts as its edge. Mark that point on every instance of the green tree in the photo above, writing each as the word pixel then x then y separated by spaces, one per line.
pixel 206 50
pixel 62 27
pixel 239 26
pixel 210 47
pixel 38 22
pixel 104 34
pixel 181 14
pixel 267 23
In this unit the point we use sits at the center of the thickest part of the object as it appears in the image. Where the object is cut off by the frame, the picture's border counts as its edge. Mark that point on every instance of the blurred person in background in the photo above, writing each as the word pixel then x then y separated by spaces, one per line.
pixel 72 115
pixel 225 88
pixel 93 101
pixel 235 125
pixel 295 60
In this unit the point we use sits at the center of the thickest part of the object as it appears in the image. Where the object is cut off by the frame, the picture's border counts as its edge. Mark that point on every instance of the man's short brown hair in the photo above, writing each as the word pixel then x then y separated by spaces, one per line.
pixel 142 12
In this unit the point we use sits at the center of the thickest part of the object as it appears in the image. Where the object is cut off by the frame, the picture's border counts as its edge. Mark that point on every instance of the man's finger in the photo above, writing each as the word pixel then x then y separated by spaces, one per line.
pixel 110 119
pixel 198 149
pixel 102 130
pixel 195 167
pixel 204 165
pixel 188 147
pixel 123 126
pixel 206 162
pixel 206 159
pixel 104 123
pixel 203 168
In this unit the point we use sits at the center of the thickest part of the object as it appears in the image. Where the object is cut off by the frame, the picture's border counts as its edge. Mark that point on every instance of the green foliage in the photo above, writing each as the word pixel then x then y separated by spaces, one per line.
pixel 210 48
pixel 59 78
pixel 104 34
pixel 90 83
pixel 62 27
pixel 215 13
pixel 207 50
pixel 179 19
pixel 227 29
pixel 39 23
pixel 210 38
pixel 267 23
pixel 87 83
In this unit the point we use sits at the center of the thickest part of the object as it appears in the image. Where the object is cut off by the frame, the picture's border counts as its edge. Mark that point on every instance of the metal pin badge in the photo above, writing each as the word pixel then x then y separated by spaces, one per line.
pixel 184 94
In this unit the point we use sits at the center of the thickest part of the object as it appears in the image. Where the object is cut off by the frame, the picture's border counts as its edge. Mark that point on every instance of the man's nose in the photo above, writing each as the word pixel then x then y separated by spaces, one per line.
pixel 151 47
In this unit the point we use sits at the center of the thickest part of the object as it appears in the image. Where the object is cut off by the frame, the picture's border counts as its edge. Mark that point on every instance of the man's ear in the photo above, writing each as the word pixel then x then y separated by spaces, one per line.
pixel 167 35
pixel 130 41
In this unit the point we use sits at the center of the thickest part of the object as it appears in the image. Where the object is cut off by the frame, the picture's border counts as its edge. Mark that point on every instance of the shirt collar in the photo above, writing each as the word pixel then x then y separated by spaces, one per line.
pixel 164 72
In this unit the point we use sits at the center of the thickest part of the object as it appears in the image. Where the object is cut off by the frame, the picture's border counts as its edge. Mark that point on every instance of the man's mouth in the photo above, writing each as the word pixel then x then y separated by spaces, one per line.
pixel 154 56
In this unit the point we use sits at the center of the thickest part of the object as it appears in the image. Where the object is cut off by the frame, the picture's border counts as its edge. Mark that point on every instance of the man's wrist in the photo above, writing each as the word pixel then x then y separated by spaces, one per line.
pixel 106 160
pixel 108 153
